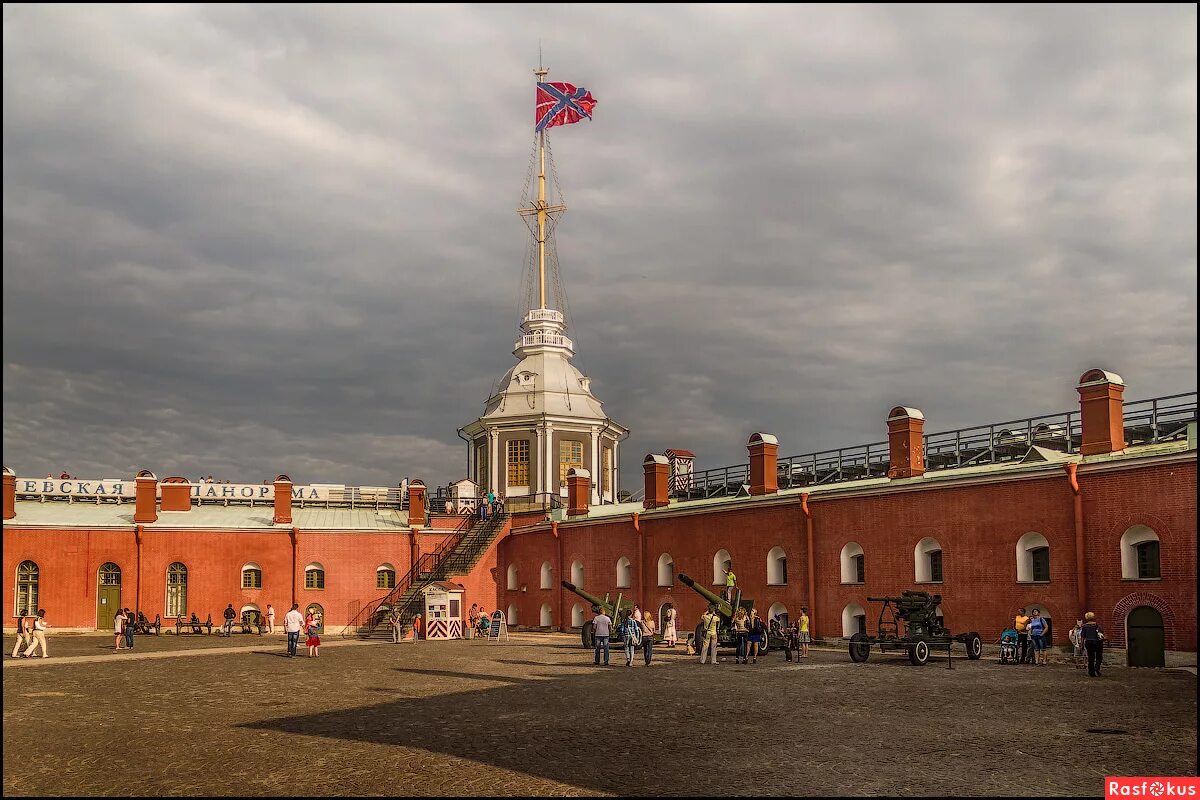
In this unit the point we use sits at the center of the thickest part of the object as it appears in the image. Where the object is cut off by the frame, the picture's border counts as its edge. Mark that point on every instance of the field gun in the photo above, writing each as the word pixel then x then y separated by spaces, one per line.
pixel 614 610
pixel 725 634
pixel 910 622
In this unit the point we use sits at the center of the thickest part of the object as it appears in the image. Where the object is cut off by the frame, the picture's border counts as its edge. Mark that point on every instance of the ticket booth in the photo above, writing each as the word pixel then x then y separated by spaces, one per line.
pixel 443 611
pixel 464 495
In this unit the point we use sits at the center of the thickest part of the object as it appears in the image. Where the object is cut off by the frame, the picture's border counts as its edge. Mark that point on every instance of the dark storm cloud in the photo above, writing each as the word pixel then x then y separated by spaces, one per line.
pixel 247 239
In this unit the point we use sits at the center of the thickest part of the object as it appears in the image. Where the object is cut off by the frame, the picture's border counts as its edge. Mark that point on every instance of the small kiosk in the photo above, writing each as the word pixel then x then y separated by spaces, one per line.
pixel 464 495
pixel 443 611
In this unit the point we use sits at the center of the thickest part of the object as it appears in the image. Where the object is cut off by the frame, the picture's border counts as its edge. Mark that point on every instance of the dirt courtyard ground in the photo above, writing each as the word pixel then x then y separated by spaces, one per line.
pixel 534 717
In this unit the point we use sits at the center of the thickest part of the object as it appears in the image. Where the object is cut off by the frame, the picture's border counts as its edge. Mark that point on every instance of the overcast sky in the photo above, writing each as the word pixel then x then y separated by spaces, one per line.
pixel 244 240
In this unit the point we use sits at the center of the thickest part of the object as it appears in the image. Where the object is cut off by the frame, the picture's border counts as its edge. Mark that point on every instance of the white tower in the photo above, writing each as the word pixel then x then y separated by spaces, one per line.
pixel 542 419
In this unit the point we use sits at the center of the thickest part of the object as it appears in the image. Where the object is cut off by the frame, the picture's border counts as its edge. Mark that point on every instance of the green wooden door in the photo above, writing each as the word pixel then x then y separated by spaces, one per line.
pixel 107 602
pixel 1147 645
pixel 108 595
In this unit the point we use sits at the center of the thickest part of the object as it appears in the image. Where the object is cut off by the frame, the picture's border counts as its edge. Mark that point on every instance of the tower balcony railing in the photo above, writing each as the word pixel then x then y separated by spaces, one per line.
pixel 544 315
pixel 536 339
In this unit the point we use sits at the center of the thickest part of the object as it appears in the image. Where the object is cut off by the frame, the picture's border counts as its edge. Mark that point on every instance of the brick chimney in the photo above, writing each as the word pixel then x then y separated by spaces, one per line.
pixel 764 458
pixel 283 500
pixel 1101 412
pixel 416 504
pixel 144 501
pixel 906 445
pixel 10 494
pixel 176 494
pixel 656 469
pixel 579 490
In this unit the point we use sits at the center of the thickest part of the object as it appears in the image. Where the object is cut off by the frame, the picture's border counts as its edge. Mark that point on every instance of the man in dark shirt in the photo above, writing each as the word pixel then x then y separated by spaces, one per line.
pixel 1093 643
pixel 230 615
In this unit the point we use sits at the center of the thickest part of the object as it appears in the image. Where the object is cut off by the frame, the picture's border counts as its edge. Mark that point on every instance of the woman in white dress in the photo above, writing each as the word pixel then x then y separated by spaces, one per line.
pixel 119 629
pixel 669 634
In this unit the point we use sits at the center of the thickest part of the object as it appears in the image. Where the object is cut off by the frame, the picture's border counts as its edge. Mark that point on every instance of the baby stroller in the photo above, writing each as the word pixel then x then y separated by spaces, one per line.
pixel 1008 646
pixel 481 630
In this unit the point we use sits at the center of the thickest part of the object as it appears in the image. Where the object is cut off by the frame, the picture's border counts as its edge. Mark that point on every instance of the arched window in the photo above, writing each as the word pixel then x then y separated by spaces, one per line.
pixel 176 590
pixel 577 573
pixel 512 615
pixel 512 577
pixel 547 619
pixel 1033 558
pixel 110 575
pixel 854 620
pixel 1140 554
pixel 547 575
pixel 777 567
pixel 577 615
pixel 314 576
pixel 778 611
pixel 624 573
pixel 927 556
pixel 27 589
pixel 251 576
pixel 318 614
pixel 251 613
pixel 853 563
pixel 666 570
pixel 385 577
pixel 721 562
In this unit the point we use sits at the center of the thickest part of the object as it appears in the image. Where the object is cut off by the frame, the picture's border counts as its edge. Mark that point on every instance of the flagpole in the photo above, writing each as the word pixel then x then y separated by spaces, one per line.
pixel 541 73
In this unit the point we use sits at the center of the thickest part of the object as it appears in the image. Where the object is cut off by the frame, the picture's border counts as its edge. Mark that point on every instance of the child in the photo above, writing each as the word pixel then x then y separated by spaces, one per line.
pixel 1076 637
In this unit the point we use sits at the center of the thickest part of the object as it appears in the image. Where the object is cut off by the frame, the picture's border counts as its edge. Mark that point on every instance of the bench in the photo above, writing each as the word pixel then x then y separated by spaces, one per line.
pixel 146 627
pixel 251 622
pixel 193 625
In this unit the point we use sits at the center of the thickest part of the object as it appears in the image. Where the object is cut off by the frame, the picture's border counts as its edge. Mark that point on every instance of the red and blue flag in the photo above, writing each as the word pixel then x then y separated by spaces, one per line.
pixel 561 104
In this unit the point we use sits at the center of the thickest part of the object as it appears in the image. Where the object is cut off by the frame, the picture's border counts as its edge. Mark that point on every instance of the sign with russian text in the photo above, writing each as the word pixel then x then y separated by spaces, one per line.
pixel 53 487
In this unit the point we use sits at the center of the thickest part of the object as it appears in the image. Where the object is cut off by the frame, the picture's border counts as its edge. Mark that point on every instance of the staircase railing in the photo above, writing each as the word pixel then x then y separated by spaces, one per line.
pixel 427 564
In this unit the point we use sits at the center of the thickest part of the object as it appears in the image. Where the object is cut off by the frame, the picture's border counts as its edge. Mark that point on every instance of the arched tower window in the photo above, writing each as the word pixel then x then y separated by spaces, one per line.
pixel 177 590
pixel 27 589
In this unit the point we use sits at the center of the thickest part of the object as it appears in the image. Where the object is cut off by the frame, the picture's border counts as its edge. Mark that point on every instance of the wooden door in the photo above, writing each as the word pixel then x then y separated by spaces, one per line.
pixel 108 595
pixel 1147 647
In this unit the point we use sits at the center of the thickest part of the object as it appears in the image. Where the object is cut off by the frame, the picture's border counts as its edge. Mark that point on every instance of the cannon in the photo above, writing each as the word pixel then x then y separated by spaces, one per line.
pixel 614 610
pixel 725 634
pixel 922 629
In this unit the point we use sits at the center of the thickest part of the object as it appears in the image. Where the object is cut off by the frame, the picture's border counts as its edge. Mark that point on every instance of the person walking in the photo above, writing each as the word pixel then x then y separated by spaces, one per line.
pixel 647 624
pixel 1021 623
pixel 631 635
pixel 741 630
pixel 758 633
pixel 670 635
pixel 293 621
pixel 270 618
pixel 637 612
pixel 710 623
pixel 601 630
pixel 1093 643
pixel 23 638
pixel 311 624
pixel 416 627
pixel 473 619
pixel 1076 637
pixel 230 615
pixel 394 619
pixel 118 630
pixel 130 628
pixel 803 635
pixel 38 635
pixel 1037 637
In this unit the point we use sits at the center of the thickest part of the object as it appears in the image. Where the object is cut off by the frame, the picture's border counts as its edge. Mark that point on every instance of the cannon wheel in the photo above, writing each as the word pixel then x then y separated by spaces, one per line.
pixel 860 648
pixel 589 638
pixel 918 652
pixel 974 646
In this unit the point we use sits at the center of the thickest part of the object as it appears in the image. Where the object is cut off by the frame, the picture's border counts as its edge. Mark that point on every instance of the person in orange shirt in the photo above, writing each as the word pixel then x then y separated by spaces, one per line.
pixel 1021 623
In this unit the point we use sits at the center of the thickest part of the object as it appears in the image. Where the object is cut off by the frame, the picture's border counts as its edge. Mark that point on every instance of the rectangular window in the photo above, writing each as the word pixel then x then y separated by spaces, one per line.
pixel 1147 560
pixel 481 474
pixel 176 599
pixel 455 609
pixel 385 579
pixel 935 566
pixel 314 579
pixel 1041 565
pixel 860 571
pixel 252 579
pixel 27 598
pixel 570 454
pixel 606 471
pixel 518 462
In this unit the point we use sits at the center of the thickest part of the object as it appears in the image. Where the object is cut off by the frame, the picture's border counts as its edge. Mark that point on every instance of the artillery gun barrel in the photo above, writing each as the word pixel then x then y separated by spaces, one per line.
pixel 591 598
pixel 721 603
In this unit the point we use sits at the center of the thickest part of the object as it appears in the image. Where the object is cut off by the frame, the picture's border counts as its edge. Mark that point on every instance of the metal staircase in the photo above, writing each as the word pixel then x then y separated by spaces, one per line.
pixel 458 555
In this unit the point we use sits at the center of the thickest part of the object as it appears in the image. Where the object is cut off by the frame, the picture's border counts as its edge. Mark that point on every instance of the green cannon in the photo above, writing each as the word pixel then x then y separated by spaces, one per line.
pixel 725 635
pixel 614 610
pixel 922 628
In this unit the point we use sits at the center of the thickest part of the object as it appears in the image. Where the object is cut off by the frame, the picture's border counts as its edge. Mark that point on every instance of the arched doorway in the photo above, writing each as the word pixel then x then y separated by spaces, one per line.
pixel 108 595
pixel 316 610
pixel 1144 633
